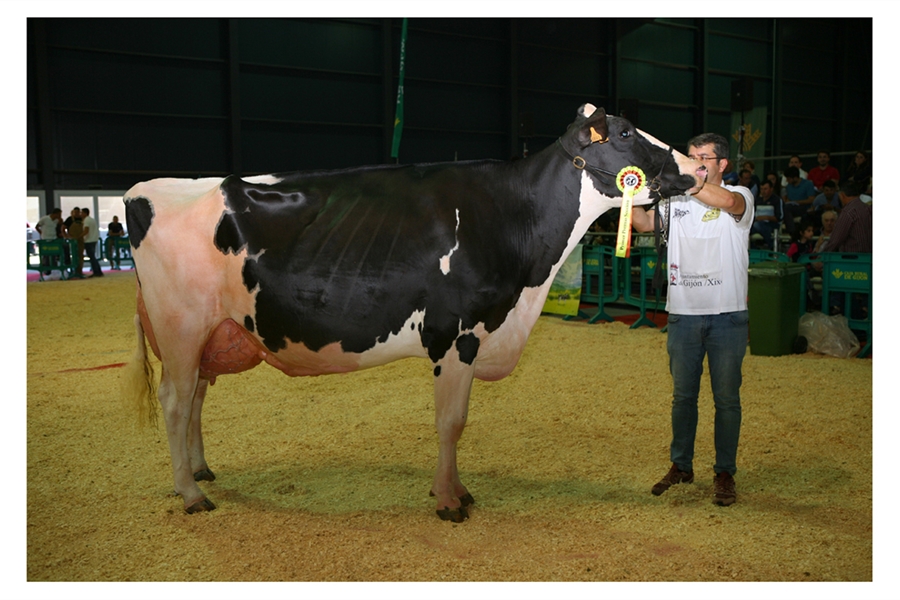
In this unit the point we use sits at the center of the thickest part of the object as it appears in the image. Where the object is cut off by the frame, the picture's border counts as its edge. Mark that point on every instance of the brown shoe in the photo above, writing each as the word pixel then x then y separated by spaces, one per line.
pixel 724 485
pixel 672 477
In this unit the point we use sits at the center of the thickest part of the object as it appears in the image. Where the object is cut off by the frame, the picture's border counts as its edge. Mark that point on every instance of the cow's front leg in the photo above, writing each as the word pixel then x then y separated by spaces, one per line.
pixel 452 385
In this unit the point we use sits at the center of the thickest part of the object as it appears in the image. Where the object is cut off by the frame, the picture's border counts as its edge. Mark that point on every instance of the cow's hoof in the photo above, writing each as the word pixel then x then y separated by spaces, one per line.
pixel 204 475
pixel 457 515
pixel 466 500
pixel 201 505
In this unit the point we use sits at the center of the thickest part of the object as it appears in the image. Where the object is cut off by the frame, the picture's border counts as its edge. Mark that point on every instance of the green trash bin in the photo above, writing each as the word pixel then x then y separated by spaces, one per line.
pixel 774 294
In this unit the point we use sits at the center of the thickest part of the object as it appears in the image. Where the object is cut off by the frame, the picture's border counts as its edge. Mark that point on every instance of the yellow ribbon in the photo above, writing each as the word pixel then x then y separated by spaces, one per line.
pixel 623 240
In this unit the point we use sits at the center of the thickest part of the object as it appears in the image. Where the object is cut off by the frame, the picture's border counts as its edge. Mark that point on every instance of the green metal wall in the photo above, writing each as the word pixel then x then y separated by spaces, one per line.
pixel 115 101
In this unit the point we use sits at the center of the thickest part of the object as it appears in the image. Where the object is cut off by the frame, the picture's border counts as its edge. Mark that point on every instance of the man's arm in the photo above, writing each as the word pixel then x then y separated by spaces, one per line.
pixel 718 197
pixel 642 220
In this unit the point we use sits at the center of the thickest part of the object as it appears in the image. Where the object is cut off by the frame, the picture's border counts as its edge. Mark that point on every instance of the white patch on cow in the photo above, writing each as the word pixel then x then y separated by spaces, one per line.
pixel 405 343
pixel 445 260
pixel 264 179
pixel 589 109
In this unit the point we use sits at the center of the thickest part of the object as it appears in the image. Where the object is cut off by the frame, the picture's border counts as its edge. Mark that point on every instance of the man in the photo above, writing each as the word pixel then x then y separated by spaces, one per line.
pixel 769 214
pixel 823 171
pixel 745 179
pixel 47 225
pixel 829 198
pixel 798 196
pixel 708 256
pixel 114 230
pixel 75 231
pixel 91 237
pixel 853 230
pixel 794 162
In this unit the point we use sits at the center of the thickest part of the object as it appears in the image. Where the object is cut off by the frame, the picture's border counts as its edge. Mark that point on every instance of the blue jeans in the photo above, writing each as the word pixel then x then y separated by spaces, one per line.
pixel 723 339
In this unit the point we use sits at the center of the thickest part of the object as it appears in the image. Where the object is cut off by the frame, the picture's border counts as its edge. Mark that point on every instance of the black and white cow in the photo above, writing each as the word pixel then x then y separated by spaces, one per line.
pixel 334 271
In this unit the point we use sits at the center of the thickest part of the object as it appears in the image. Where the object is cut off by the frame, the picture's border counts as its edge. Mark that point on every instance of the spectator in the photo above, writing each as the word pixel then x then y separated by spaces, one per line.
pixel 47 226
pixel 750 166
pixel 823 171
pixel 829 218
pixel 798 196
pixel 745 178
pixel 776 182
pixel 860 170
pixel 114 230
pixel 91 237
pixel 769 214
pixel 853 230
pixel 793 162
pixel 828 199
pixel 801 241
pixel 75 231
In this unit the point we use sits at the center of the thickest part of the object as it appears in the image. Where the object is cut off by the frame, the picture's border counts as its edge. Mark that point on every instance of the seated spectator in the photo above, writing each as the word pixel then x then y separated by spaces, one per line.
pixel 750 166
pixel 823 171
pixel 776 182
pixel 793 162
pixel 828 199
pixel 798 196
pixel 860 170
pixel 829 218
pixel 745 178
pixel 801 241
pixel 769 214
pixel 853 230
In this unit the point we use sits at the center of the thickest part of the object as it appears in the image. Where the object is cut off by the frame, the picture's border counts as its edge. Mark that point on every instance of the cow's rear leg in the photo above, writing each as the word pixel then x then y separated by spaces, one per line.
pixel 176 396
pixel 452 385
pixel 199 467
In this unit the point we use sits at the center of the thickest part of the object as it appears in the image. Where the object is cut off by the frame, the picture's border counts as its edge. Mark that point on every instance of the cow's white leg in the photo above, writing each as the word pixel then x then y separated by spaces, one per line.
pixel 176 394
pixel 452 385
pixel 199 467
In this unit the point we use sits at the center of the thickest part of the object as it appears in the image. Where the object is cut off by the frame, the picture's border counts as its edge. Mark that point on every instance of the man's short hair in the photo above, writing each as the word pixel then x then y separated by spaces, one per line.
pixel 747 171
pixel 792 172
pixel 56 211
pixel 825 152
pixel 766 182
pixel 86 211
pixel 830 184
pixel 852 189
pixel 828 211
pixel 720 144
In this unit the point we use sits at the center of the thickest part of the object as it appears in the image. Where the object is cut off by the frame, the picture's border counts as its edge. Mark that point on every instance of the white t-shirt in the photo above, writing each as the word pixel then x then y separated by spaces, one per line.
pixel 48 227
pixel 708 256
pixel 94 232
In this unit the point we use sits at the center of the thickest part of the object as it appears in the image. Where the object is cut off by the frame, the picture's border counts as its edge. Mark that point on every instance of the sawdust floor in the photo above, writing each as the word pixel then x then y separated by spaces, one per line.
pixel 327 479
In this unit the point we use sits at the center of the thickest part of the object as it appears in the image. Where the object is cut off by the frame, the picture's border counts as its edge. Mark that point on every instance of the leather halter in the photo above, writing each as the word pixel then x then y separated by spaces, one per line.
pixel 579 163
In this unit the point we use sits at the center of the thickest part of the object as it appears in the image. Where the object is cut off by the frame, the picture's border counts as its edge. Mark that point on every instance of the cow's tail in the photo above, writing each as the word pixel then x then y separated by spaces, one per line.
pixel 140 381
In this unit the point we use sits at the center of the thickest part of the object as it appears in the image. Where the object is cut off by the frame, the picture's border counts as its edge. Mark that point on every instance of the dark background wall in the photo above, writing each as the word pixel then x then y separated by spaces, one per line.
pixel 116 101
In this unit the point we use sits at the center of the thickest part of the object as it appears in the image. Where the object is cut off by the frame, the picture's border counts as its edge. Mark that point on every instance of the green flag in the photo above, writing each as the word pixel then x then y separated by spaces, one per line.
pixel 398 116
pixel 754 133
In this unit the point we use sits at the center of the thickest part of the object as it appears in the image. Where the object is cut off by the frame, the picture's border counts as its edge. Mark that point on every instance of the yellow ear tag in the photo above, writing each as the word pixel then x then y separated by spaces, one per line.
pixel 630 181
pixel 595 137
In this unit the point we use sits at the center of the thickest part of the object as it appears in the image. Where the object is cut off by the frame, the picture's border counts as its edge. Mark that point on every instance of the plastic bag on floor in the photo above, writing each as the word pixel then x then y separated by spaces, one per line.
pixel 829 335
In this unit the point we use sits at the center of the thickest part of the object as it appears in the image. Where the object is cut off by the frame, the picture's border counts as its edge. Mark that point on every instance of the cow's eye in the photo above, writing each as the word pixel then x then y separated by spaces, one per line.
pixel 625 134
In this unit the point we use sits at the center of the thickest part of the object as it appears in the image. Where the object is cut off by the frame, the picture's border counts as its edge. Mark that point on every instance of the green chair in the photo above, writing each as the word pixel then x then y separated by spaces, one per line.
pixel 51 257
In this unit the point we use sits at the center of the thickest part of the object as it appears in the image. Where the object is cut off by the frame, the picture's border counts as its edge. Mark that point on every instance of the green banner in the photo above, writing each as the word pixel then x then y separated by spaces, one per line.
pixel 398 116
pixel 565 292
pixel 754 133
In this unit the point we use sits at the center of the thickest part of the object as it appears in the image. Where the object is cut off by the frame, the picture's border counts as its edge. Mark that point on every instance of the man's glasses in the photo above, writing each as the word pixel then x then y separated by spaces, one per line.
pixel 704 157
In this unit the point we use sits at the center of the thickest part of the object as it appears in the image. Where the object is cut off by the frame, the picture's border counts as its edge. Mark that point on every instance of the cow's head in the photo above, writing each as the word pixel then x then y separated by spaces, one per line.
pixel 604 146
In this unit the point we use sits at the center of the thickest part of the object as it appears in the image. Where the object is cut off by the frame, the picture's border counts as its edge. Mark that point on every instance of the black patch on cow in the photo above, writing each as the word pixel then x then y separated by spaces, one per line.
pixel 138 218
pixel 437 371
pixel 467 346
pixel 248 323
pixel 348 256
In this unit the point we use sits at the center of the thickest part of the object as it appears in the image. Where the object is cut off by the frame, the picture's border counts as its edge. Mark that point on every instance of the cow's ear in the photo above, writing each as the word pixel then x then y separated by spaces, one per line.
pixel 594 128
